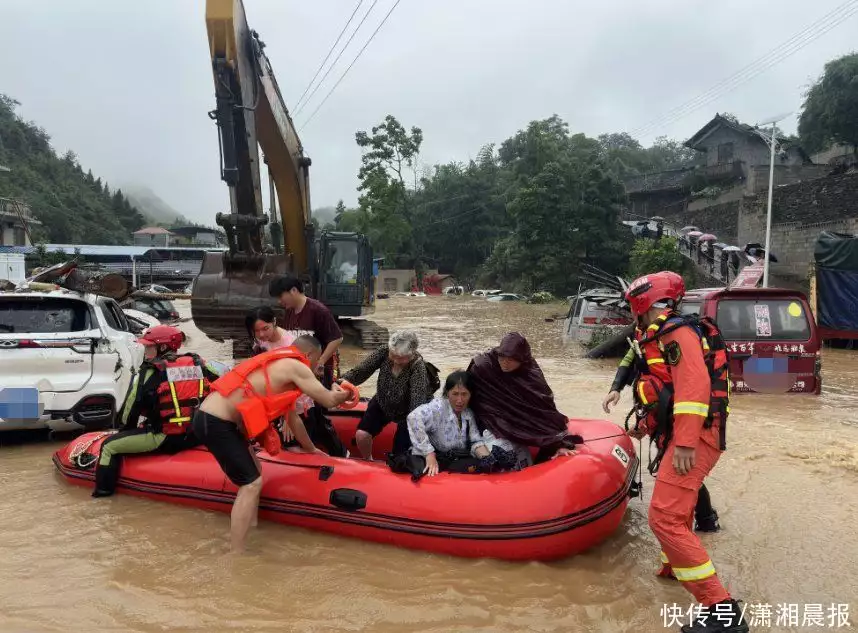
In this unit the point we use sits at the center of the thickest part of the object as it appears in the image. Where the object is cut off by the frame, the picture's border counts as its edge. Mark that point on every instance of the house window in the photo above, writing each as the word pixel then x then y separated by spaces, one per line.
pixel 725 153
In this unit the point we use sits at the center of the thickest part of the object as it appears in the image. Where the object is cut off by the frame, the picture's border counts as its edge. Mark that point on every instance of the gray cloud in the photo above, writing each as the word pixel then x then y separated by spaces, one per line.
pixel 127 85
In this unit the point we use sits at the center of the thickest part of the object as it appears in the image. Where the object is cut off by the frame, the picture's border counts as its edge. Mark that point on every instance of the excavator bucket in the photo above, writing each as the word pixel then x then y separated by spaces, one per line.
pixel 224 292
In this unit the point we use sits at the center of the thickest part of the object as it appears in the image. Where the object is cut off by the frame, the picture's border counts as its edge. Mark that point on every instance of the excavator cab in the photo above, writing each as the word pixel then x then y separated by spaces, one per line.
pixel 345 282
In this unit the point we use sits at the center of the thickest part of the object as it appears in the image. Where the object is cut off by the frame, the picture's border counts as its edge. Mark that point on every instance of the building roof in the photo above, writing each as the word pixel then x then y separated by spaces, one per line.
pixel 152 230
pixel 106 250
pixel 189 231
pixel 720 121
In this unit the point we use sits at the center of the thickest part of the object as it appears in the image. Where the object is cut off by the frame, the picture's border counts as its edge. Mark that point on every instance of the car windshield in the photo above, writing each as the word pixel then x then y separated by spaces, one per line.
pixel 763 319
pixel 43 316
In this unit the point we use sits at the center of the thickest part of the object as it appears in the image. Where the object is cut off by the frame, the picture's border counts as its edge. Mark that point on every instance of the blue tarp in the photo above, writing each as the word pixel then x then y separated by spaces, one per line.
pixel 837 299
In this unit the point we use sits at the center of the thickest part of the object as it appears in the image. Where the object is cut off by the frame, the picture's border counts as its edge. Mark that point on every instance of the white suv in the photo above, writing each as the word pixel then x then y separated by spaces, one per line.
pixel 74 351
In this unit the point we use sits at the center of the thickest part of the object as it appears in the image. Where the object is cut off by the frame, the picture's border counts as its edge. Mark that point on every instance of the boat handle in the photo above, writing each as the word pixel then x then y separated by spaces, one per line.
pixel 348 499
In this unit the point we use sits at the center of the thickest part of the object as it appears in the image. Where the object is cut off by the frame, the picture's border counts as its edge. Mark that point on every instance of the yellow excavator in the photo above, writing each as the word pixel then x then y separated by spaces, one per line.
pixel 250 113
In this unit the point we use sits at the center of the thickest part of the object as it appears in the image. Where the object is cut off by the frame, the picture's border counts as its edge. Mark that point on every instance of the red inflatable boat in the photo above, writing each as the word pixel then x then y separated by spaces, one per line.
pixel 543 512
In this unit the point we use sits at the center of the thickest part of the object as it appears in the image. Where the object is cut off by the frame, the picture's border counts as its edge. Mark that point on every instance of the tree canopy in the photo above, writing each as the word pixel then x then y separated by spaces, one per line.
pixel 525 214
pixel 830 110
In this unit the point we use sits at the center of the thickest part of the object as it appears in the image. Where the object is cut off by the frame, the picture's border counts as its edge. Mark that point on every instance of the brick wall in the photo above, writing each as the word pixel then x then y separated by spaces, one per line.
pixel 758 176
pixel 799 213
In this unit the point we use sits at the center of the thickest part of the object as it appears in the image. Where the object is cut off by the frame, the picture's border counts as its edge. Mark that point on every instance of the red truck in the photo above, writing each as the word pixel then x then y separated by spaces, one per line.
pixel 771 335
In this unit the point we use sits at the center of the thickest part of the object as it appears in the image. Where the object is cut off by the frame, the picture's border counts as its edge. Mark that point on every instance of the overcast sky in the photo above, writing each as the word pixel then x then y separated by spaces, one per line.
pixel 127 84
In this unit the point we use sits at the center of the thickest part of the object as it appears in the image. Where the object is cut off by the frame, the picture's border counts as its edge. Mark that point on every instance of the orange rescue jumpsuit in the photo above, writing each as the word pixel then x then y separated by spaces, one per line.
pixel 671 513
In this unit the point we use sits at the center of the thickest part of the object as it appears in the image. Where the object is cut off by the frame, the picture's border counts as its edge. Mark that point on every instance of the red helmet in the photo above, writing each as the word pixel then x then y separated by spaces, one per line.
pixel 163 335
pixel 647 290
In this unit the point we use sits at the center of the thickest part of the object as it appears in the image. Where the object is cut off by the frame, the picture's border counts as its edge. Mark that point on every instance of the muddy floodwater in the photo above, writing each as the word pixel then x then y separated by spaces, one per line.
pixel 786 491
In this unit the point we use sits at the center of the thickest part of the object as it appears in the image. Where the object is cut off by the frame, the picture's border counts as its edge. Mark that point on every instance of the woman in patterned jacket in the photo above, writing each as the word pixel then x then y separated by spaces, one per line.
pixel 403 385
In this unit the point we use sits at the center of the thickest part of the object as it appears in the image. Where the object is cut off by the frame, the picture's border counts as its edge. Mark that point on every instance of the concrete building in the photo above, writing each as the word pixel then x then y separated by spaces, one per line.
pixel 735 165
pixel 725 142
pixel 396 280
pixel 153 236
pixel 15 222
pixel 197 235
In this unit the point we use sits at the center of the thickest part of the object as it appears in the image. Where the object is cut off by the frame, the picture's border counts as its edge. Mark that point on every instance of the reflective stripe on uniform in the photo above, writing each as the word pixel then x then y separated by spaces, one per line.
pixel 132 395
pixel 691 574
pixel 691 408
pixel 175 401
pixel 179 418
pixel 654 361
pixel 664 559
pixel 641 393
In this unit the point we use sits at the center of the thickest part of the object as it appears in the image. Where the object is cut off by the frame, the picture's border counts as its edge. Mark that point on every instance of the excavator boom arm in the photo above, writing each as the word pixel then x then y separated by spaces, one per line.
pixel 250 111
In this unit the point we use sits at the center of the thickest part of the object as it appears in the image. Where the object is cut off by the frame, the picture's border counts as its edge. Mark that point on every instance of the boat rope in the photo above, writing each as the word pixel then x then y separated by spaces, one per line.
pixel 78 454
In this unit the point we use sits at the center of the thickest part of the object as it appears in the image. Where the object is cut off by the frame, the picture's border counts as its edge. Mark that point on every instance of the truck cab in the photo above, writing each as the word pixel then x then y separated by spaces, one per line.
pixel 771 335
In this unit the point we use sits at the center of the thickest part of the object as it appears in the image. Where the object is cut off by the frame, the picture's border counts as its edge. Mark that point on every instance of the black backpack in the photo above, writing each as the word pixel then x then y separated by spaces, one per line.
pixel 434 376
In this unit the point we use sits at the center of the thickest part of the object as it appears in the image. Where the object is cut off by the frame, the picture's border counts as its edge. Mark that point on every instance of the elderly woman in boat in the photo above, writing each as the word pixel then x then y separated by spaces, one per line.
pixel 402 386
pixel 515 408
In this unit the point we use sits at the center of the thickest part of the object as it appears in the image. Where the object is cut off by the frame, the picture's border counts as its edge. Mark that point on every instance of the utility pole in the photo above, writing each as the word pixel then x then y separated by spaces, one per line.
pixel 772 141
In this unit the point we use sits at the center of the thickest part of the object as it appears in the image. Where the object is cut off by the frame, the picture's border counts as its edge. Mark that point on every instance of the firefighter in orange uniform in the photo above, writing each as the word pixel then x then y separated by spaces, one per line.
pixel 681 401
pixel 167 389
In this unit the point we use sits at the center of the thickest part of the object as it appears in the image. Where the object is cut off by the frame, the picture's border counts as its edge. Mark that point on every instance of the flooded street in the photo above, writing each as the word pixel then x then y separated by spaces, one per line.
pixel 785 491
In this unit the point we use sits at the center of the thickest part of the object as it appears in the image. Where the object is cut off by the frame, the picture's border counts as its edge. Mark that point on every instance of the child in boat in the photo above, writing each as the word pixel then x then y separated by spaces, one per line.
pixel 515 406
pixel 444 431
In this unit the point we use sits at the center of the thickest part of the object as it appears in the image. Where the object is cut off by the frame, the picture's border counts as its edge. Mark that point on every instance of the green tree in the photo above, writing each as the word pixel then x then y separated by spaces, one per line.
pixel 830 109
pixel 652 256
pixel 387 153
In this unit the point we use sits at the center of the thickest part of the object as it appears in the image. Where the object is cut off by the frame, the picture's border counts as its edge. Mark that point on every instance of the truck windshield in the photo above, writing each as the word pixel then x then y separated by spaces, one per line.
pixel 689 307
pixel 763 319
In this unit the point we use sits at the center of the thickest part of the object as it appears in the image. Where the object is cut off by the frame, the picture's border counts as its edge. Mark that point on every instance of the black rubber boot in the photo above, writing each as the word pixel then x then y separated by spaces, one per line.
pixel 707 523
pixel 723 617
pixel 105 480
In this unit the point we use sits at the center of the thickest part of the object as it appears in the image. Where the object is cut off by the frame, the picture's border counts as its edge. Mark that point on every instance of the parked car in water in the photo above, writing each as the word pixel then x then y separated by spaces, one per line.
pixel 771 335
pixel 161 309
pixel 72 354
pixel 158 289
pixel 506 296
pixel 593 310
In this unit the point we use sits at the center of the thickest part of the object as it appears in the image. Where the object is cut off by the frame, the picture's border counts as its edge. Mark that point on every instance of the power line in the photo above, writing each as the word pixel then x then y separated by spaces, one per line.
pixel 802 38
pixel 371 37
pixel 340 54
pixel 339 37
pixel 773 57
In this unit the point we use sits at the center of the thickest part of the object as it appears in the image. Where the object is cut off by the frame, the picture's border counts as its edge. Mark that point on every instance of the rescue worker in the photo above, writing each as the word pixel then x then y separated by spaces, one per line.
pixel 705 516
pixel 241 407
pixel 682 396
pixel 166 390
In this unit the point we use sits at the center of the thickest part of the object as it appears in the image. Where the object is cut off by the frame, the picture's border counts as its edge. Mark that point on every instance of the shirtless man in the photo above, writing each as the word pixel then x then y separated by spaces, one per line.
pixel 223 429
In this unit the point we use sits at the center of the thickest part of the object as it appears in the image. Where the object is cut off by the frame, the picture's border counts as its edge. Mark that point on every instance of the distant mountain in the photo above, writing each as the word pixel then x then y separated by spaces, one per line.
pixel 73 206
pixel 153 208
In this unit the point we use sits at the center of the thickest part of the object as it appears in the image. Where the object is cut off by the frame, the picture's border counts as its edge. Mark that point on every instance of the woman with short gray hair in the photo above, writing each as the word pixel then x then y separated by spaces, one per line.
pixel 403 385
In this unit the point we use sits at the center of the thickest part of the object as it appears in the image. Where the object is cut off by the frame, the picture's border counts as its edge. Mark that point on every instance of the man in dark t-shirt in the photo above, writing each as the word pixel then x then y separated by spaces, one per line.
pixel 308 316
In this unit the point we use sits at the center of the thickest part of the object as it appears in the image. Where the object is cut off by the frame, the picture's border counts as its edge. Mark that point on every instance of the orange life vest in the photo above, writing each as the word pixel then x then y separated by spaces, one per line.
pixel 181 393
pixel 653 391
pixel 258 411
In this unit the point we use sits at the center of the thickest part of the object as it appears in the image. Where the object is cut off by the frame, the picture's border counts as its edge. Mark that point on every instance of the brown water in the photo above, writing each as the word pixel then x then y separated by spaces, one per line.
pixel 785 491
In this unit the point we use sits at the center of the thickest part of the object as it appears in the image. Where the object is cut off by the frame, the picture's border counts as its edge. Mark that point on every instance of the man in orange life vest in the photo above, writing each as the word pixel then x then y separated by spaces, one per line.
pixel 241 407
pixel 167 389
pixel 682 401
